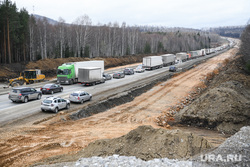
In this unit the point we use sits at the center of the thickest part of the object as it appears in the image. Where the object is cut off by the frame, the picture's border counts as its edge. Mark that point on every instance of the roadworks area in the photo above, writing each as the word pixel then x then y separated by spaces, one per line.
pixel 194 111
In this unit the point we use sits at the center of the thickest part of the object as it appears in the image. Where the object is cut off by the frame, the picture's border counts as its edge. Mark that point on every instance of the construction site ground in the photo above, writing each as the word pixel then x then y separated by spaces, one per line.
pixel 60 138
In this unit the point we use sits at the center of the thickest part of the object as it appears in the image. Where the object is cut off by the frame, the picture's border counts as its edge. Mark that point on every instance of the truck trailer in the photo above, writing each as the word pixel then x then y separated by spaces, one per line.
pixel 90 76
pixel 168 59
pixel 182 56
pixel 67 73
pixel 152 62
pixel 194 54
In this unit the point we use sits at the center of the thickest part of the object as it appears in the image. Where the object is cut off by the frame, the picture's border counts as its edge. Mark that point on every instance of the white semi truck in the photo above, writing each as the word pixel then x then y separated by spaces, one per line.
pixel 181 57
pixel 152 62
pixel 168 59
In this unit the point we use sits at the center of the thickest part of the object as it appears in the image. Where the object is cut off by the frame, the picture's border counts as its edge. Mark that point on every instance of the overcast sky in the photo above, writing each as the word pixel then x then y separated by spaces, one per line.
pixel 169 13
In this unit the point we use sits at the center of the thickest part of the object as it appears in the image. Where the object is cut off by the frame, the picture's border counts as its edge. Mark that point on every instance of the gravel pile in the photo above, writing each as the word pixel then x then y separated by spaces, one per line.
pixel 123 161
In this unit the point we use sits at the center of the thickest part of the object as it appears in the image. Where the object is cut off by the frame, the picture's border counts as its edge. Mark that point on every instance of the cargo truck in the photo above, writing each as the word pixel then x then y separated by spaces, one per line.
pixel 182 56
pixel 90 76
pixel 67 73
pixel 152 62
pixel 194 54
pixel 168 59
pixel 203 52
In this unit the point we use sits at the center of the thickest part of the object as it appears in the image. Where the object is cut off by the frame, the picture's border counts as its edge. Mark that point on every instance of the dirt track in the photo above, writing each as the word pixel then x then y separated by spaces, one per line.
pixel 27 144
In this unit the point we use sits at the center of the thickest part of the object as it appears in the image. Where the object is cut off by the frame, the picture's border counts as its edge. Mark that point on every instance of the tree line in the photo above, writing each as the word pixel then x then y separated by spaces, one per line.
pixel 245 47
pixel 25 37
pixel 228 31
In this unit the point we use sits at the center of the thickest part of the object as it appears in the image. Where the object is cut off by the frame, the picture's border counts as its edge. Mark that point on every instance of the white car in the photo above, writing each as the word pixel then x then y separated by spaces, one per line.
pixel 54 104
pixel 139 69
pixel 80 97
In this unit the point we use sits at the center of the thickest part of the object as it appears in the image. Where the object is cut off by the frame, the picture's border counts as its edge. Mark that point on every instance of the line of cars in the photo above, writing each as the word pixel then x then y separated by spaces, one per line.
pixel 50 103
pixel 121 74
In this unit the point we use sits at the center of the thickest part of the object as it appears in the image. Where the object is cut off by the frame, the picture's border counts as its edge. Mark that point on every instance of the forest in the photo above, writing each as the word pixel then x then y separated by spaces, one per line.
pixel 229 31
pixel 25 37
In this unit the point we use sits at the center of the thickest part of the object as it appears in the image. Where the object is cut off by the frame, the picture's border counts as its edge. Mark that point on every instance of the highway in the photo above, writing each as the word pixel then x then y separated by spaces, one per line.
pixel 10 112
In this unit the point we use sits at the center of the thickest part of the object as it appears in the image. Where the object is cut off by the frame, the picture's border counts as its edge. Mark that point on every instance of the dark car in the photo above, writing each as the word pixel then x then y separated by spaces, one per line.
pixel 51 88
pixel 24 94
pixel 107 76
pixel 118 75
pixel 129 71
pixel 172 68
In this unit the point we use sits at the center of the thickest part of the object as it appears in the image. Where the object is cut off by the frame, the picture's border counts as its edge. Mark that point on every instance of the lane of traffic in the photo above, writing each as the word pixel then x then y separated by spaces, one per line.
pixel 13 112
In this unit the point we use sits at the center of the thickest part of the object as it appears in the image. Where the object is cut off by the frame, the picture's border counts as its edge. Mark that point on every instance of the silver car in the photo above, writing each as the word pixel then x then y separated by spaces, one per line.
pixel 54 104
pixel 79 97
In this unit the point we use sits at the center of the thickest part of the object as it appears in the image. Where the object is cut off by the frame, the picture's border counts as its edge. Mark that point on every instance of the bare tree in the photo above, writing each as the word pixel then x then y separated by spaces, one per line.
pixel 61 29
pixel 82 25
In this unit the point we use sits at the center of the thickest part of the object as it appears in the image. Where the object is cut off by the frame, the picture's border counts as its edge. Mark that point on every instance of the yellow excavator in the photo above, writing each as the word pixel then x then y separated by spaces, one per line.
pixel 27 77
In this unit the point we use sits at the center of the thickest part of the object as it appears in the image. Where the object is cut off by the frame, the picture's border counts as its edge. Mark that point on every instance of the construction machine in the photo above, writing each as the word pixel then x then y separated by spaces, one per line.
pixel 27 77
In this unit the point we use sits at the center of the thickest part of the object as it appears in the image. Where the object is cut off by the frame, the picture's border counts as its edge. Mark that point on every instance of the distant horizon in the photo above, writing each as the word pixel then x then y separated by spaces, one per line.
pixel 151 25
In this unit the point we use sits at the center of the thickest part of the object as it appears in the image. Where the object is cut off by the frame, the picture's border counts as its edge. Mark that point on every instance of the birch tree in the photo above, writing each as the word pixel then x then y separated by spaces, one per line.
pixel 61 29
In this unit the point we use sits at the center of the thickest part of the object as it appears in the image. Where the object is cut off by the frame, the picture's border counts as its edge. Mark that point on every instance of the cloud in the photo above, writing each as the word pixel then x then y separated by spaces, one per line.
pixel 172 13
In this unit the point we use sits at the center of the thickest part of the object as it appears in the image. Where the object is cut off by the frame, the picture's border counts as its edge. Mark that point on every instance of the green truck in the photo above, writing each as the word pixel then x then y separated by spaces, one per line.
pixel 67 73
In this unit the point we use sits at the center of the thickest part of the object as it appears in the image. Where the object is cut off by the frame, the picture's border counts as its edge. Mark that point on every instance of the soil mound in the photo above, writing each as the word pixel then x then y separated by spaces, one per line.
pixel 148 143
pixel 225 106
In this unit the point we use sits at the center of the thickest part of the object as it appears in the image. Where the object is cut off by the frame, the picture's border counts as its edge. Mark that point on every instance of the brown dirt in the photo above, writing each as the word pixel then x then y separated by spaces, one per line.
pixel 148 143
pixel 27 144
pixel 225 106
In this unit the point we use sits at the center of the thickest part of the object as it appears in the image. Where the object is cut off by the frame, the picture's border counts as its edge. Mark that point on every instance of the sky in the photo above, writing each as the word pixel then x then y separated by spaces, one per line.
pixel 168 13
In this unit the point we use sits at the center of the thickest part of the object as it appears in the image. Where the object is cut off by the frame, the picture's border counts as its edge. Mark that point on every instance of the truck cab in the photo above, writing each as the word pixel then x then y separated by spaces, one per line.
pixel 66 74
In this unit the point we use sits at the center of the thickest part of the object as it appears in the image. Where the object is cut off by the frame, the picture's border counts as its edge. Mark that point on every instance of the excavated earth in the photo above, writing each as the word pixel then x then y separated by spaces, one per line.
pixel 62 139
pixel 148 143
pixel 225 105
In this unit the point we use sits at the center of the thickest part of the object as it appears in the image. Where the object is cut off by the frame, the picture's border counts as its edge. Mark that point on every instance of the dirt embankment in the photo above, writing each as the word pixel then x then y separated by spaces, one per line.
pixel 225 103
pixel 148 143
